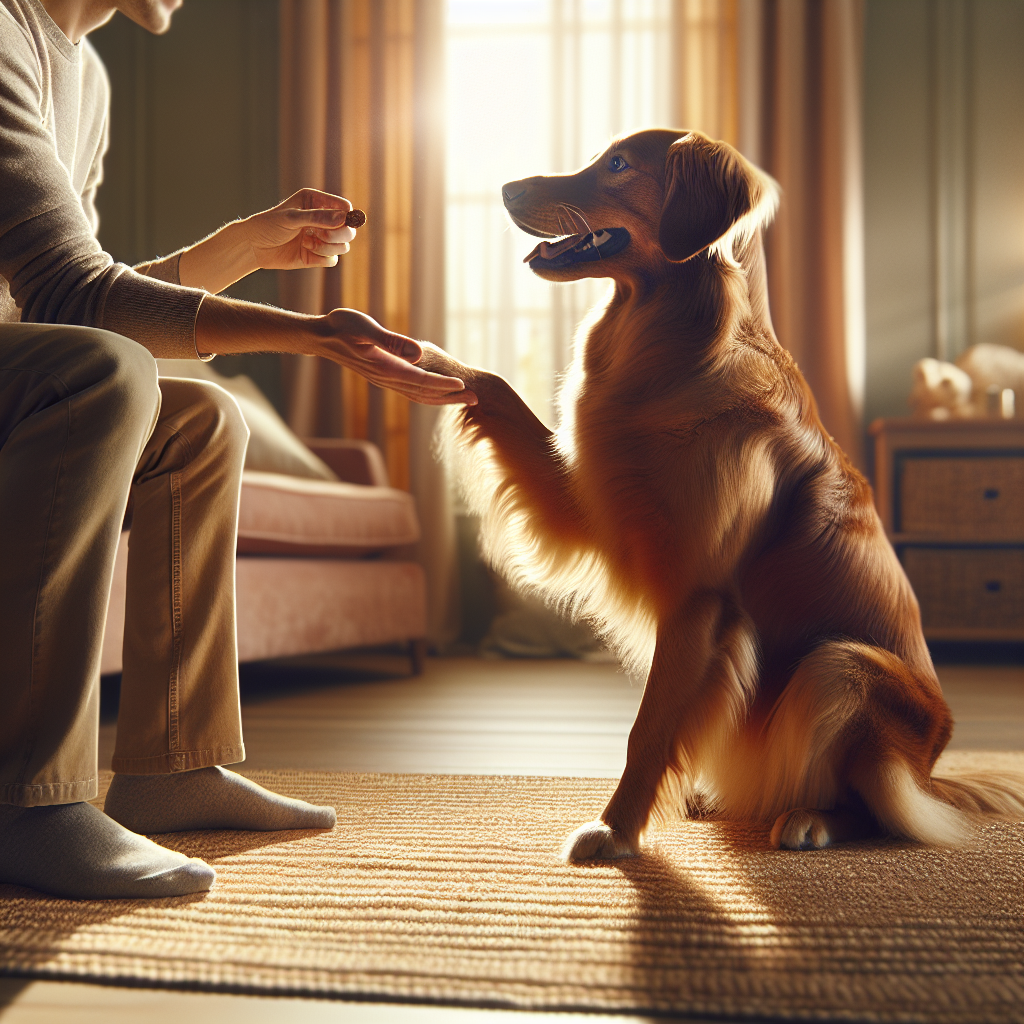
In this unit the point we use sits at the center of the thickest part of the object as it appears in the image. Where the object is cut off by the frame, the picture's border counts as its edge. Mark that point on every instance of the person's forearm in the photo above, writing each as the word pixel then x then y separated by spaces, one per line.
pixel 219 260
pixel 225 326
pixel 345 336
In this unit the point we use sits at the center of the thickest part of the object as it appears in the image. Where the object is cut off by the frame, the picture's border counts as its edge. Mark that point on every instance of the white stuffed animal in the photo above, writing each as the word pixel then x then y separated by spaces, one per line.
pixel 946 390
pixel 941 390
pixel 993 367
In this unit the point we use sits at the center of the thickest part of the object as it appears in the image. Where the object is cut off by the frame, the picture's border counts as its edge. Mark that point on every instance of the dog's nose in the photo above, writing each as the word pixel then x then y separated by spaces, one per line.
pixel 509 193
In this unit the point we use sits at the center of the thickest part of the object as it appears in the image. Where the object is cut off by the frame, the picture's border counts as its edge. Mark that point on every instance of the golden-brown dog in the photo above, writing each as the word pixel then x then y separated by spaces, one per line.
pixel 692 506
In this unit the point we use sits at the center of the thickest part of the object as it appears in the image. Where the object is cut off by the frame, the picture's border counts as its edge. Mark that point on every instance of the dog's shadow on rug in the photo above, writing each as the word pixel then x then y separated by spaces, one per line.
pixel 680 908
pixel 718 886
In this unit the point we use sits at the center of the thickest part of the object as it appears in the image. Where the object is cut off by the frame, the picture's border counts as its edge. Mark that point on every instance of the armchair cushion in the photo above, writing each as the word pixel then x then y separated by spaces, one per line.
pixel 273 448
pixel 285 515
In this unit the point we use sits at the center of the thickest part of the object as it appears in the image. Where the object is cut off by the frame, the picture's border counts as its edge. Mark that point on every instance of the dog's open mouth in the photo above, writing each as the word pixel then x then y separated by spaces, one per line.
pixel 581 248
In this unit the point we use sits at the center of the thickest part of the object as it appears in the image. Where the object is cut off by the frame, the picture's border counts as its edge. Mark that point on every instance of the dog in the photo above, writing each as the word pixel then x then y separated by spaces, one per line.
pixel 693 508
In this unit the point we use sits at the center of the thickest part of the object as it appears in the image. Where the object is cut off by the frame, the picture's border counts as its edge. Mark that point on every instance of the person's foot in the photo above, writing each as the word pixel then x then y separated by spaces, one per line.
pixel 207 798
pixel 77 852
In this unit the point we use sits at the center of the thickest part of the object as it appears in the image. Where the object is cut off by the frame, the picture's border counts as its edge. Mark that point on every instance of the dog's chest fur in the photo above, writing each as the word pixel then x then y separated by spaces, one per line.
pixel 656 479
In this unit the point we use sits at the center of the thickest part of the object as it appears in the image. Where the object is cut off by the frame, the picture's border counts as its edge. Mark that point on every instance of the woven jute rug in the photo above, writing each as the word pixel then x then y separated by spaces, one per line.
pixel 450 889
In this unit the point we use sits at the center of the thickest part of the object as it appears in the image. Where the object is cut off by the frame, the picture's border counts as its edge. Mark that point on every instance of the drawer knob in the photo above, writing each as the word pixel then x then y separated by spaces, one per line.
pixel 991 493
pixel 993 586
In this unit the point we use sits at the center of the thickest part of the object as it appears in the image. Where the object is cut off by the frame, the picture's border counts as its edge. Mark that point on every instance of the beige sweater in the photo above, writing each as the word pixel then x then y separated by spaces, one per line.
pixel 54 109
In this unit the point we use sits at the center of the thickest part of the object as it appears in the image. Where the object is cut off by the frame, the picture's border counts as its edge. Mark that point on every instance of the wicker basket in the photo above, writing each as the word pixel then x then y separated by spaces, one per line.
pixel 977 588
pixel 965 498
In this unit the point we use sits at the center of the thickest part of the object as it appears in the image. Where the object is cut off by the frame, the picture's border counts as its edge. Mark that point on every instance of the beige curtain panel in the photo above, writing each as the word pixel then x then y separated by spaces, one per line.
pixel 781 80
pixel 361 115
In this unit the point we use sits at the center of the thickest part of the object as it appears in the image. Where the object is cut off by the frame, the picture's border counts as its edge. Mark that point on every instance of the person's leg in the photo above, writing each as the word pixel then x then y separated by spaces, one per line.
pixel 76 408
pixel 179 717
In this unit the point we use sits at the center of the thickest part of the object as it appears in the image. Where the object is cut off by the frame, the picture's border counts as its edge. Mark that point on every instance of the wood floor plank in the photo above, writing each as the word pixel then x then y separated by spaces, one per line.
pixel 60 1002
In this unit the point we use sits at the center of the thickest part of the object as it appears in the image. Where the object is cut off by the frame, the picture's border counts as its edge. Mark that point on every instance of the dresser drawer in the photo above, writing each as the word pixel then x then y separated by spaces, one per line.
pixel 968 588
pixel 962 498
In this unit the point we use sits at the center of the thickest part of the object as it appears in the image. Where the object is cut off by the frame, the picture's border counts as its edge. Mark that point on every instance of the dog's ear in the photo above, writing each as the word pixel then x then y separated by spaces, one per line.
pixel 707 189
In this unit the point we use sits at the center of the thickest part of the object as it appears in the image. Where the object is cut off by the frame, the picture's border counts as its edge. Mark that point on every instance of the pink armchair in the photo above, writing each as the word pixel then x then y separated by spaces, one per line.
pixel 321 565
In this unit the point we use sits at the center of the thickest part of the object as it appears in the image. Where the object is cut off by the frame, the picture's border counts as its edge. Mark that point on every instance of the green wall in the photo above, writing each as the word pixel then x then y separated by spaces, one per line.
pixel 193 139
pixel 944 185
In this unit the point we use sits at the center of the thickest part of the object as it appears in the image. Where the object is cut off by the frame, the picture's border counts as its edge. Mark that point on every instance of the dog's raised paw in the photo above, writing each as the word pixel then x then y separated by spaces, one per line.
pixel 596 841
pixel 801 829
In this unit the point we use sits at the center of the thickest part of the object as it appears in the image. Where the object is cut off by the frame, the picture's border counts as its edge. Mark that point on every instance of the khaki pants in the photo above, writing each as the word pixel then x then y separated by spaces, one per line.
pixel 84 421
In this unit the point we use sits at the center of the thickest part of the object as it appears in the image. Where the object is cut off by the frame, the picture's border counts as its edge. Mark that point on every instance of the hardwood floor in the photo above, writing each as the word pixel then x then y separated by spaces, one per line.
pixel 359 712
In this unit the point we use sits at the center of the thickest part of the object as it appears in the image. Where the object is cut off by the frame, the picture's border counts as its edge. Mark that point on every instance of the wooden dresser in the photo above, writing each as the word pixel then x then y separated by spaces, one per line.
pixel 951 497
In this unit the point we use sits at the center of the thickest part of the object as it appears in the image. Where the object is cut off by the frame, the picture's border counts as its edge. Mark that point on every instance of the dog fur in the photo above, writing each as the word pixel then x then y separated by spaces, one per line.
pixel 692 507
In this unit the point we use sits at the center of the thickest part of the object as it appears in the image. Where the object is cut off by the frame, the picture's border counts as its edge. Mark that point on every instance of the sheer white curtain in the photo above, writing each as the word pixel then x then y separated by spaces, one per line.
pixel 535 87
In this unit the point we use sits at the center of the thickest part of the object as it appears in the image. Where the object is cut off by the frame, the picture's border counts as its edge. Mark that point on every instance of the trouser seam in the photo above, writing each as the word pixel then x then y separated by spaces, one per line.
pixel 45 794
pixel 33 696
pixel 173 736
pixel 187 760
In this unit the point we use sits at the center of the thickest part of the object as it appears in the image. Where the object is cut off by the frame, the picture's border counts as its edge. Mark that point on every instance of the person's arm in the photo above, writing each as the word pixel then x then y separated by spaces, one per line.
pixel 345 336
pixel 56 269
pixel 306 230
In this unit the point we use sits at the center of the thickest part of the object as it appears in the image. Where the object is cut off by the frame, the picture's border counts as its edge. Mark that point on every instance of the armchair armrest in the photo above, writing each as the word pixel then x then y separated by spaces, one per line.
pixel 355 462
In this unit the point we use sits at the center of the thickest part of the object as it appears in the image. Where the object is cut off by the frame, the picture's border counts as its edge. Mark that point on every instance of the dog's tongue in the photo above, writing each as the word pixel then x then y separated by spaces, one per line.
pixel 548 251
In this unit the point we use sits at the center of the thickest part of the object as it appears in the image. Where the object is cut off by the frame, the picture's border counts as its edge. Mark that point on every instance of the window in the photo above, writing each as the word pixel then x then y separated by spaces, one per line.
pixel 535 87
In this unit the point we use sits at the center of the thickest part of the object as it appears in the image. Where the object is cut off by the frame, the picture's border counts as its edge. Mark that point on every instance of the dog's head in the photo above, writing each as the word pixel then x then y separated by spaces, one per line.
pixel 650 200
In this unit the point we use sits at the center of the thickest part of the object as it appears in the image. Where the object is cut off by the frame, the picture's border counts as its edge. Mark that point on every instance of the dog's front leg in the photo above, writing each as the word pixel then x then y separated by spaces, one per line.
pixel 704 665
pixel 522 462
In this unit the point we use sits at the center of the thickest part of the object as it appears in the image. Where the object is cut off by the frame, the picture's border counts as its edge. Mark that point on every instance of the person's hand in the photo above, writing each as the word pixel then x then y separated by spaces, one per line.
pixel 307 230
pixel 387 359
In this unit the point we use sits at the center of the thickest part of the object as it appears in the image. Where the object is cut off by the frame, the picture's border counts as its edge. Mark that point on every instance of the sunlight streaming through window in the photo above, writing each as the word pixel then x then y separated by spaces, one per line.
pixel 535 87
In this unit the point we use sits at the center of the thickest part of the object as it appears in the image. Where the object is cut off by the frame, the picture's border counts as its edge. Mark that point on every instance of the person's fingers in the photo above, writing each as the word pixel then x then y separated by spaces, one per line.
pixel 363 333
pixel 313 244
pixel 333 236
pixel 396 344
pixel 390 371
pixel 399 345
pixel 429 396
pixel 324 219
pixel 311 259
pixel 382 366
pixel 455 398
pixel 313 198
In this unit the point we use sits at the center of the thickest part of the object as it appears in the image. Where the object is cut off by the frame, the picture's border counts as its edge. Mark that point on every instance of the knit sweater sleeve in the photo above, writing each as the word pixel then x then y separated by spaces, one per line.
pixel 57 271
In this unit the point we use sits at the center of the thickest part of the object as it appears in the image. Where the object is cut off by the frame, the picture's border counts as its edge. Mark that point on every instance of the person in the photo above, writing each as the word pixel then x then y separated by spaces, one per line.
pixel 84 422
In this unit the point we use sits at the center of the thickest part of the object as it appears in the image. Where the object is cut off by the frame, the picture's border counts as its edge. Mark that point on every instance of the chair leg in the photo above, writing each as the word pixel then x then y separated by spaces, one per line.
pixel 417 655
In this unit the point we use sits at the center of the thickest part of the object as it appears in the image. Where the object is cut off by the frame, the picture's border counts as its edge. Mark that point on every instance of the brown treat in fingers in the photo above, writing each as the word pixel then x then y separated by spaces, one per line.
pixel 355 218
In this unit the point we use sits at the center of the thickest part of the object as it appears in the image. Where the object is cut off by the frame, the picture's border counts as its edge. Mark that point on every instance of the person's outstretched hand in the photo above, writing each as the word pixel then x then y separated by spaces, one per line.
pixel 386 359
pixel 307 230
pixel 225 326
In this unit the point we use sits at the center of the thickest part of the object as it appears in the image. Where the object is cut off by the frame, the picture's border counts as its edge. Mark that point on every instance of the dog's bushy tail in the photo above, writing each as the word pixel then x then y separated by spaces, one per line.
pixel 984 794
pixel 947 810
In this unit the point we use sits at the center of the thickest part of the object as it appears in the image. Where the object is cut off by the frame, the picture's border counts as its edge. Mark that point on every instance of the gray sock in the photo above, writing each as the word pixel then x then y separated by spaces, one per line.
pixel 207 798
pixel 76 851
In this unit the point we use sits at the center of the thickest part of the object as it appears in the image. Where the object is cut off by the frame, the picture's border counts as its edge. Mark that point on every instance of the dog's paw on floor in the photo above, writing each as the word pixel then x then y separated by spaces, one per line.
pixel 596 841
pixel 801 829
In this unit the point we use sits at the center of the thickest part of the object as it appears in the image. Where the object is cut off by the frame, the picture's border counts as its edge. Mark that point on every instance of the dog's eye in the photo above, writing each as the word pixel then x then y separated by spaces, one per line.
pixel 617 164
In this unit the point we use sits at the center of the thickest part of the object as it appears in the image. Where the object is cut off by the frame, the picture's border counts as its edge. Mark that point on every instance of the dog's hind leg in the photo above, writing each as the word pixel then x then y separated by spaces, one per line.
pixel 704 667
pixel 806 828
pixel 851 746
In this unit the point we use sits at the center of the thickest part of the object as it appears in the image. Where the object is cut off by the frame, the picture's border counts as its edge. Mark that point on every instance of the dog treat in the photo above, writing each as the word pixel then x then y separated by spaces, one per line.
pixel 355 218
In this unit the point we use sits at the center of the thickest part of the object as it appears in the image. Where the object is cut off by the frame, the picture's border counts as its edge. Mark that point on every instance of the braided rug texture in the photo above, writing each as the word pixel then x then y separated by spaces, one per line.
pixel 449 889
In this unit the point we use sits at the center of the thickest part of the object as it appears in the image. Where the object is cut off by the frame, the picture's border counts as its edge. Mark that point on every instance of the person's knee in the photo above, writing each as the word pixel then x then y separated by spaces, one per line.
pixel 208 415
pixel 229 428
pixel 123 379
